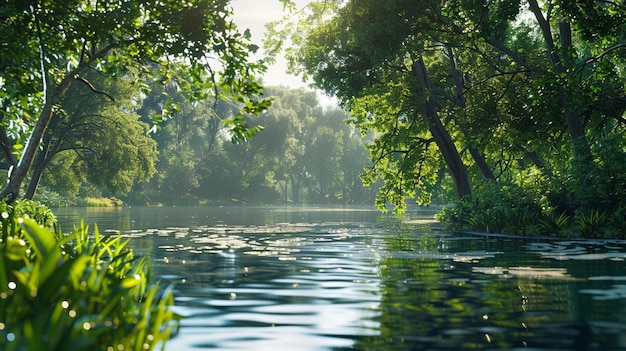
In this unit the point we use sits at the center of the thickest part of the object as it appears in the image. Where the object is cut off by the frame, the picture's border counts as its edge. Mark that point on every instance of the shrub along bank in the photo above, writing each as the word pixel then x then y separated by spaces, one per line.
pixel 76 291
pixel 536 209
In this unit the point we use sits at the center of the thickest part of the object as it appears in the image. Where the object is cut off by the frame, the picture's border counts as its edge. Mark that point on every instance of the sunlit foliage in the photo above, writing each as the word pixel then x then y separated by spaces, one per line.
pixel 511 87
pixel 76 291
pixel 50 46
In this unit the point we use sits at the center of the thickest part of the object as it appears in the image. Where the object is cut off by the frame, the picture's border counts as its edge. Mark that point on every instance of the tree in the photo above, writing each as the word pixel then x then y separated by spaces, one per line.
pixel 314 155
pixel 378 71
pixel 305 153
pixel 50 45
pixel 293 112
pixel 110 146
pixel 492 86
pixel 185 142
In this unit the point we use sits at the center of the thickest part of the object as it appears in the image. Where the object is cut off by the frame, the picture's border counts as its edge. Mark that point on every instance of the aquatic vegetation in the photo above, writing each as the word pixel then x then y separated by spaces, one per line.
pixel 78 291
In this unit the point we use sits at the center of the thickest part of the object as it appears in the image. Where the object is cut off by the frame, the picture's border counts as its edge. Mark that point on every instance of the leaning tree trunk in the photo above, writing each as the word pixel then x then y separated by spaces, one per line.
pixel 442 138
pixel 460 101
pixel 575 124
pixel 482 164
pixel 48 149
pixel 18 174
pixel 35 177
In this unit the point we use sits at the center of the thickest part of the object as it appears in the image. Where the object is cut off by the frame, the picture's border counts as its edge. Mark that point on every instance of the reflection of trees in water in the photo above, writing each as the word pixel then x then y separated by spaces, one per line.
pixel 432 301
pixel 438 291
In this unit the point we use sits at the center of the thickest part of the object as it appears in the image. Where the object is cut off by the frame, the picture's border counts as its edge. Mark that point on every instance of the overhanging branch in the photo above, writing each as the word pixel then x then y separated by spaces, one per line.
pixel 90 86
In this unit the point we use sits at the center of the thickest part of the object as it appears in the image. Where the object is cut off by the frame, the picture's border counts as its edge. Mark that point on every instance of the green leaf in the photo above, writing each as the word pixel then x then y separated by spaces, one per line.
pixel 15 249
pixel 42 240
pixel 131 282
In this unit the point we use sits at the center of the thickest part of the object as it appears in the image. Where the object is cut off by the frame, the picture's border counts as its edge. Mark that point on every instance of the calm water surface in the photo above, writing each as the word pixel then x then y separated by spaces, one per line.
pixel 277 278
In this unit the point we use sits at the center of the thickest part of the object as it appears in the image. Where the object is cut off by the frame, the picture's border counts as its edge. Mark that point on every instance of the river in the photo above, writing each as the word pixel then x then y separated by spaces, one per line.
pixel 308 278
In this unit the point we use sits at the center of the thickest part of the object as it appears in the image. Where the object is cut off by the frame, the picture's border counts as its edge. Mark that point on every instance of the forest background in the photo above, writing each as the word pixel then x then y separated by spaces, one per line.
pixel 305 153
pixel 513 109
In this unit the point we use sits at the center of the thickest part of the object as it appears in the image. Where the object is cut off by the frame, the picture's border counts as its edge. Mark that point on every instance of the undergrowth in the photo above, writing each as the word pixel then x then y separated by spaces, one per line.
pixel 76 291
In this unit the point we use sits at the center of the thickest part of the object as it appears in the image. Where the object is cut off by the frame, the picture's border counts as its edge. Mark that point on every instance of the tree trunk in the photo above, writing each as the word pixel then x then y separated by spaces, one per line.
pixel 442 138
pixel 575 124
pixel 460 101
pixel 295 187
pixel 18 174
pixel 284 188
pixel 34 180
pixel 48 149
pixel 481 163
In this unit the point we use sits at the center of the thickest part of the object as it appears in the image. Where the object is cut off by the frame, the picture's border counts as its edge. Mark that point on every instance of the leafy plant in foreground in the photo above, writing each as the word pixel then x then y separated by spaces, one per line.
pixel 76 292
pixel 32 209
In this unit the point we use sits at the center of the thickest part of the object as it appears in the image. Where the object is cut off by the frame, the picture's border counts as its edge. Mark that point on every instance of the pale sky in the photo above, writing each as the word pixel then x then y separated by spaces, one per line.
pixel 253 14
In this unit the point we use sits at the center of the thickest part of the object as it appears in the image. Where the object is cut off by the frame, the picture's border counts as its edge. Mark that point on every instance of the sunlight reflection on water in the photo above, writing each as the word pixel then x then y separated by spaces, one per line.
pixel 270 279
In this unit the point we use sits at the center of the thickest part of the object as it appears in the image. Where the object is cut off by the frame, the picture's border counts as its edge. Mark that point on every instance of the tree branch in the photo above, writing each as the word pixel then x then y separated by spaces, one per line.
pixel 604 53
pixel 619 6
pixel 90 86
pixel 500 46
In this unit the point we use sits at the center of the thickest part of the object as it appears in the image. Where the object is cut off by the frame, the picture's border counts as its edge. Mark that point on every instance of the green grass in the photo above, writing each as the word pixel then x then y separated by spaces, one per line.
pixel 101 202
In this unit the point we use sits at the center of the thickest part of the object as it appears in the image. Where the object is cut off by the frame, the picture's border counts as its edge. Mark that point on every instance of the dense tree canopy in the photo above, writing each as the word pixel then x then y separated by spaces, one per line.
pixel 51 45
pixel 304 154
pixel 101 142
pixel 524 93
